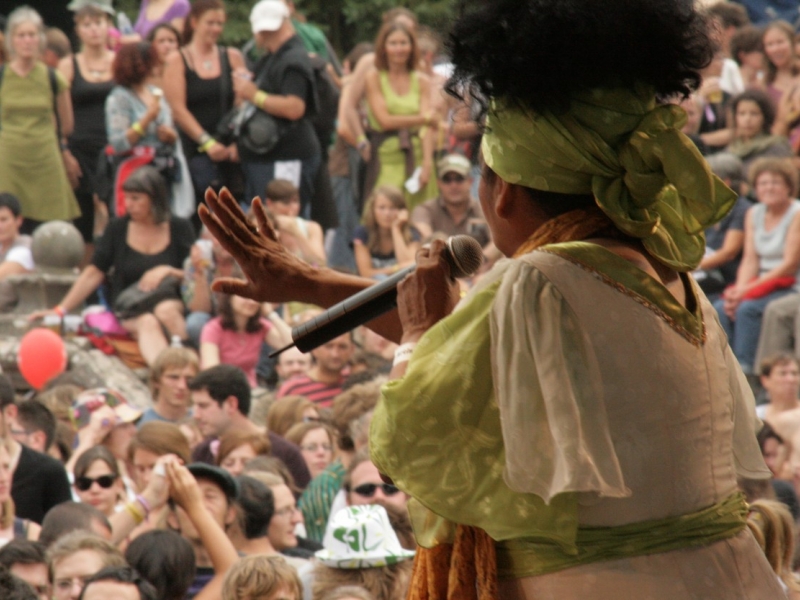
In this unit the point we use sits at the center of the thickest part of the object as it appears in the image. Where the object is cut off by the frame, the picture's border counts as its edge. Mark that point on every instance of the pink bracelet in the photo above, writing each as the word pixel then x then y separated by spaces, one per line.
pixel 145 505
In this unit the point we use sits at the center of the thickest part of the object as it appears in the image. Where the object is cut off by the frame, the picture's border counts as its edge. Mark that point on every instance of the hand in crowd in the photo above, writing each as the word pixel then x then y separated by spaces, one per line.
pixel 732 299
pixel 184 490
pixel 74 172
pixel 272 271
pixel 710 90
pixel 218 152
pixel 101 422
pixel 159 487
pixel 425 174
pixel 233 153
pixel 153 108
pixel 243 84
pixel 365 150
pixel 287 225
pixel 40 314
pixel 153 277
pixel 428 294
pixel 166 134
pixel 401 218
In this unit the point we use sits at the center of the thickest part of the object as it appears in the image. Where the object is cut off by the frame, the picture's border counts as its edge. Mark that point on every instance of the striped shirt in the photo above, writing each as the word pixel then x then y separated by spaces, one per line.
pixel 319 393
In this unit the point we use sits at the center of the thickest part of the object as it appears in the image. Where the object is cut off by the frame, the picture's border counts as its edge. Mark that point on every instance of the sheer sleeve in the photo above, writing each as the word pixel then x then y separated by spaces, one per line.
pixel 436 432
pixel 549 392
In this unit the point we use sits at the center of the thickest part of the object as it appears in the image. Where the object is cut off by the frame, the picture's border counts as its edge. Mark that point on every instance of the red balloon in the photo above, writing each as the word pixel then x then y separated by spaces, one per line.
pixel 41 356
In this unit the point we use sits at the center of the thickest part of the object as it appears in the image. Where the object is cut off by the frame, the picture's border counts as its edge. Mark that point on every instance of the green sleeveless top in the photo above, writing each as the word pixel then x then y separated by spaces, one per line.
pixel 407 104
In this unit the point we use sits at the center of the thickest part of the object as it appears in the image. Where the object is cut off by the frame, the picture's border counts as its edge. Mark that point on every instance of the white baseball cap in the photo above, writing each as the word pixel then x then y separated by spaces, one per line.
pixel 268 15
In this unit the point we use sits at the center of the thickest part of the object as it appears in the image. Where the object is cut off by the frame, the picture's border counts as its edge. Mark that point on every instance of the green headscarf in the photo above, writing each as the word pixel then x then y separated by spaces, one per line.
pixel 647 176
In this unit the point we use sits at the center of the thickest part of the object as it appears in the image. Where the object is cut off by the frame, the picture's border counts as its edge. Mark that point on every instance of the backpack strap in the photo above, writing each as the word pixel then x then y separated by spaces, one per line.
pixel 51 73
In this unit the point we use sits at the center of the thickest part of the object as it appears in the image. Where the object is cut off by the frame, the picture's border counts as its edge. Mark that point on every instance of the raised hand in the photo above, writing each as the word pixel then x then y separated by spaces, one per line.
pixel 273 273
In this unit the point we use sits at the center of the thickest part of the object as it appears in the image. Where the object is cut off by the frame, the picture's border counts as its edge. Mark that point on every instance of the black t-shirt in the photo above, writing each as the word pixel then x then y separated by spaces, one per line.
pixel 283 449
pixel 288 72
pixel 112 251
pixel 40 482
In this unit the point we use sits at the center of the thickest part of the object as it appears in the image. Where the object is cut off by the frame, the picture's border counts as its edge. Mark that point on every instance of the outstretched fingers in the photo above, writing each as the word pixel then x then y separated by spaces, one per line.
pixel 264 226
pixel 233 287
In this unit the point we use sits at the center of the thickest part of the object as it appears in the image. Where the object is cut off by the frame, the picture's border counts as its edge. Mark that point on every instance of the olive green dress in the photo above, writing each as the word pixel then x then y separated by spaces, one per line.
pixel 31 166
pixel 391 157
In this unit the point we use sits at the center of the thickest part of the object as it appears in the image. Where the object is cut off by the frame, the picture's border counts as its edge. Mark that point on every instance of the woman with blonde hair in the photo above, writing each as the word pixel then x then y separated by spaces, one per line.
pixel 288 411
pixel 774 529
pixel 263 577
pixel 386 242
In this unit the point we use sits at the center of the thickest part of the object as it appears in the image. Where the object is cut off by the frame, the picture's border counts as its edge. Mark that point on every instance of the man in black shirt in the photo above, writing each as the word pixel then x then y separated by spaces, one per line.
pixel 40 481
pixel 283 88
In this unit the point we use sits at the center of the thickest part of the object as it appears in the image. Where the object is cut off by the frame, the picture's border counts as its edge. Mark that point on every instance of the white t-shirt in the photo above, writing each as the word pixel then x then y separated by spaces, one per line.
pixel 20 253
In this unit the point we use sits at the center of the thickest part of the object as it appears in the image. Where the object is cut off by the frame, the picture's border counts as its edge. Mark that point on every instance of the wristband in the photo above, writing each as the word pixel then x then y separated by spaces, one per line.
pixel 204 137
pixel 137 128
pixel 137 515
pixel 361 139
pixel 259 98
pixel 60 311
pixel 403 353
pixel 207 145
pixel 145 505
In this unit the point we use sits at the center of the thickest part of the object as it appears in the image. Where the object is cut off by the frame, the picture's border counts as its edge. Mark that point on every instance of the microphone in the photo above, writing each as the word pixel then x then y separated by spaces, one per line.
pixel 463 254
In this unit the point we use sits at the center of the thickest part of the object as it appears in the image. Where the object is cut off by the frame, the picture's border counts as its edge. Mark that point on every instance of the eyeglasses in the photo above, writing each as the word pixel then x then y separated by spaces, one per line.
pixel 287 511
pixel 104 481
pixel 453 178
pixel 368 489
pixel 315 447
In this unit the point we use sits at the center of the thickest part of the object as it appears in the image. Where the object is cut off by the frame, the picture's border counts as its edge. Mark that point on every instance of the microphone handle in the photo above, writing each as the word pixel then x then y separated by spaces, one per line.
pixel 370 303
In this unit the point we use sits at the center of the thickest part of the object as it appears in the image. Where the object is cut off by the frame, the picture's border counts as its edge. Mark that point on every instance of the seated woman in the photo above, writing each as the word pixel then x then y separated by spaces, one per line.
pixel 143 248
pixel 753 116
pixel 386 242
pixel 11 527
pixel 140 128
pixel 236 335
pixel 771 258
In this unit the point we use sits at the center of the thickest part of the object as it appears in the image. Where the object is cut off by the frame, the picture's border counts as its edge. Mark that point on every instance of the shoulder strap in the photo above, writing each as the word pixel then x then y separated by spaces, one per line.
pixel 225 81
pixel 51 73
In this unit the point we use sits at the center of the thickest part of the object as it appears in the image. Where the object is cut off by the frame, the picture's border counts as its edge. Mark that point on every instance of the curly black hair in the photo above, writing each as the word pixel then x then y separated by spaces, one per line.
pixel 539 53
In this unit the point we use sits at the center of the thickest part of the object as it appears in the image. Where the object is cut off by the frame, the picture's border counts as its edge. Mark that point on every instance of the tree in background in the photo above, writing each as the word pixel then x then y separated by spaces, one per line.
pixel 345 22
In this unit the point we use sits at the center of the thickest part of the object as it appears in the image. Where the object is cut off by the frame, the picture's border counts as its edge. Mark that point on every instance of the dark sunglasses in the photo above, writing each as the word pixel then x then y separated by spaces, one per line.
pixel 104 481
pixel 453 178
pixel 368 489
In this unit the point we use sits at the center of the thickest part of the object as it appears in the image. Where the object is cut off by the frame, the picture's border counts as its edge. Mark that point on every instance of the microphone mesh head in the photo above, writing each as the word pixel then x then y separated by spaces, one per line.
pixel 465 256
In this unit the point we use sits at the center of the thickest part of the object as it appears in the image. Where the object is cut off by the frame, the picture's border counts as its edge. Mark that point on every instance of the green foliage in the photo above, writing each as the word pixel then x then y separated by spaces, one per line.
pixel 345 22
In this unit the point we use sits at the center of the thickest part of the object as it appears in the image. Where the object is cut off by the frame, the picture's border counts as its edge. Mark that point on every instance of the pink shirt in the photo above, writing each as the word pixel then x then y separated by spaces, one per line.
pixel 236 348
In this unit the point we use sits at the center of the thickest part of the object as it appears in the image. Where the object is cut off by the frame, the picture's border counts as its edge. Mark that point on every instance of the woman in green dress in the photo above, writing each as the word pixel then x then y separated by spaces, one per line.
pixel 400 117
pixel 31 163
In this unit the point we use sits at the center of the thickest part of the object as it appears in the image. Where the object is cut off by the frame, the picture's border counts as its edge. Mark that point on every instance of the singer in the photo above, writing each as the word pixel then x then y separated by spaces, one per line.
pixel 575 427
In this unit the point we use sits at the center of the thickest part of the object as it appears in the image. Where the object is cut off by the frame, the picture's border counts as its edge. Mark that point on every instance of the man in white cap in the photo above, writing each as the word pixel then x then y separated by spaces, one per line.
pixel 283 88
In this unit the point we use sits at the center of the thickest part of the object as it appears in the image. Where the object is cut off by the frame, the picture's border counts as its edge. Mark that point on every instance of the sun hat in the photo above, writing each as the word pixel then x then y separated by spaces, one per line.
pixel 361 537
pixel 90 400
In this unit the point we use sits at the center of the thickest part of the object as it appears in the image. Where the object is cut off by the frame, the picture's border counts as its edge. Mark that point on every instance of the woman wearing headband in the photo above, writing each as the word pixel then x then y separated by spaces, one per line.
pixel 578 421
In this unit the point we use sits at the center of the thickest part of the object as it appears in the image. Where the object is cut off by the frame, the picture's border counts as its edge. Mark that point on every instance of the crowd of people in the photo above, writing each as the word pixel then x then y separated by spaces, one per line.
pixel 251 477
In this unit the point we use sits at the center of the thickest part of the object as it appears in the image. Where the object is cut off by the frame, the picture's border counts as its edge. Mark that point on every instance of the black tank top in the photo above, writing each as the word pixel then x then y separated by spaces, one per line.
pixel 204 99
pixel 89 108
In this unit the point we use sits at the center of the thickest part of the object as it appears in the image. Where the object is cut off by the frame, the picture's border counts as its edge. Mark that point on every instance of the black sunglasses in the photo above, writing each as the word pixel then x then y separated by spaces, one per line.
pixel 453 178
pixel 104 481
pixel 368 489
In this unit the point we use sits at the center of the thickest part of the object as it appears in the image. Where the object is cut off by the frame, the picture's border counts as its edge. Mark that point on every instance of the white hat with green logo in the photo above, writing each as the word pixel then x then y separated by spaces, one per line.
pixel 361 537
